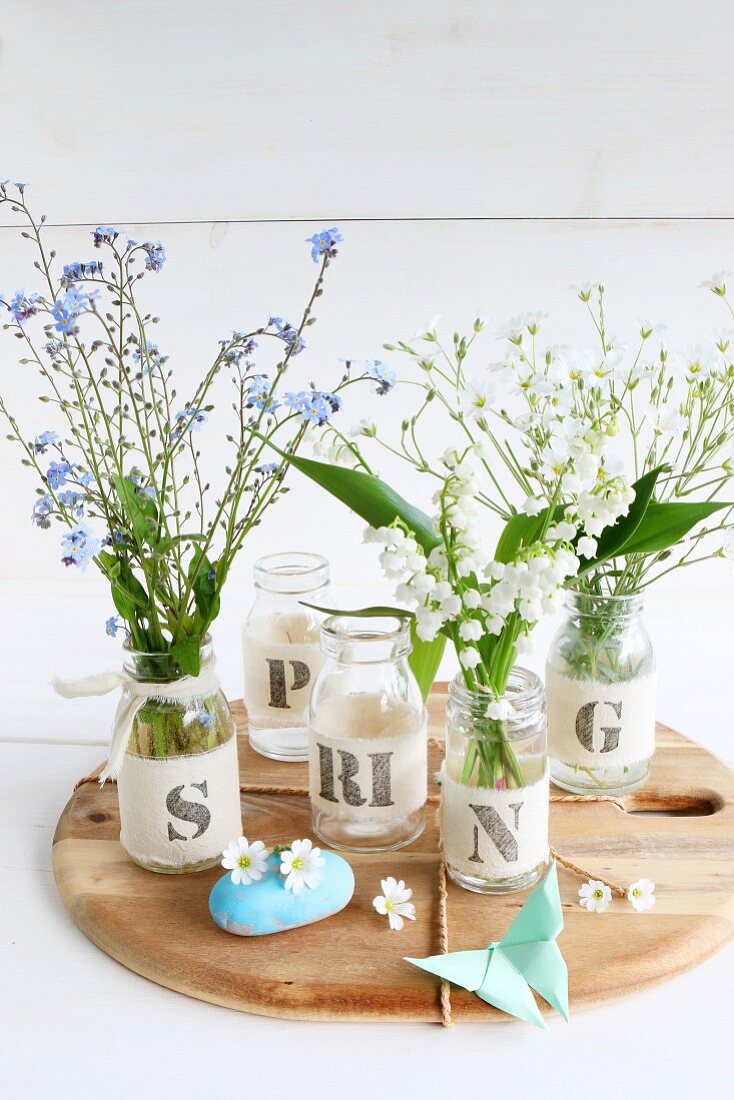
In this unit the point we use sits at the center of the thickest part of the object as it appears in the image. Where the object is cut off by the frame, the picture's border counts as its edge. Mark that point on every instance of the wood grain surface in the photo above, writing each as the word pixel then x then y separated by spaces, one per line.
pixel 678 830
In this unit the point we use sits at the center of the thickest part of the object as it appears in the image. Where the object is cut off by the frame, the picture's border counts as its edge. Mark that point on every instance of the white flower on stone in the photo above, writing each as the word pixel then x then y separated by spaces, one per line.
pixel 247 862
pixel 395 903
pixel 303 864
pixel 595 896
pixel 641 895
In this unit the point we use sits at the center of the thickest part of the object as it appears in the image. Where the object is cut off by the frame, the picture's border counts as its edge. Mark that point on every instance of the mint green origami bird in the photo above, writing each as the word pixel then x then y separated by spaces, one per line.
pixel 527 955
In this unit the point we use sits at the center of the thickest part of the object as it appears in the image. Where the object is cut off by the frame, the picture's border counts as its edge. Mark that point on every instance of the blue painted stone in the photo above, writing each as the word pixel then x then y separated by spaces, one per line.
pixel 266 906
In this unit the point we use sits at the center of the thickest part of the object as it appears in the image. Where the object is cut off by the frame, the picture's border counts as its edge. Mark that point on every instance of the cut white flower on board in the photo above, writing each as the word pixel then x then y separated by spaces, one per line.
pixel 303 865
pixel 247 862
pixel 641 895
pixel 395 903
pixel 595 896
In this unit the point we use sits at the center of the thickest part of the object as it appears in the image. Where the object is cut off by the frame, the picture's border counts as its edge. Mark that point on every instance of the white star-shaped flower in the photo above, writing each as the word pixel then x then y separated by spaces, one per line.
pixel 595 896
pixel 247 862
pixel 303 864
pixel 395 903
pixel 641 895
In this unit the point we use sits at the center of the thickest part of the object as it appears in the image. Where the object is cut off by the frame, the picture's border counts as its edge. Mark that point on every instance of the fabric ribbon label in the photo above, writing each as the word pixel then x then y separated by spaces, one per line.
pixel 372 780
pixel 278 679
pixel 598 725
pixel 494 834
pixel 182 809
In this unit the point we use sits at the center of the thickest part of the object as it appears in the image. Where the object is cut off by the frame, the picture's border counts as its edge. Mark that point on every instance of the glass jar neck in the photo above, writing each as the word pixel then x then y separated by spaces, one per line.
pixel 291 574
pixel 612 610
pixel 356 640
pixel 162 668
pixel 524 695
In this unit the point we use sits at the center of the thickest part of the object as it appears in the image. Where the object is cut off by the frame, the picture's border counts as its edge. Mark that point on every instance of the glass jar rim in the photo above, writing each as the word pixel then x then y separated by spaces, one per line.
pixel 133 657
pixel 370 639
pixel 594 604
pixel 524 690
pixel 129 648
pixel 291 572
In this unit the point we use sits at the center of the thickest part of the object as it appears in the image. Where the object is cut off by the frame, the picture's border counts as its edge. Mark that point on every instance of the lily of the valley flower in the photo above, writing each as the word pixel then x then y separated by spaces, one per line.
pixel 641 895
pixel 302 864
pixel 595 896
pixel 247 862
pixel 395 903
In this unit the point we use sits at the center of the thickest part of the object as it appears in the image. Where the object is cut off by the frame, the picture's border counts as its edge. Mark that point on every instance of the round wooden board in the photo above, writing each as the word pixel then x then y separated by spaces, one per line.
pixel 678 830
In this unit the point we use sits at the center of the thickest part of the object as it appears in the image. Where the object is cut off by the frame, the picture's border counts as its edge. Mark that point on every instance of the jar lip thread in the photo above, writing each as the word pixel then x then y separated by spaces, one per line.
pixel 130 649
pixel 524 689
pixel 367 635
pixel 592 603
pixel 290 572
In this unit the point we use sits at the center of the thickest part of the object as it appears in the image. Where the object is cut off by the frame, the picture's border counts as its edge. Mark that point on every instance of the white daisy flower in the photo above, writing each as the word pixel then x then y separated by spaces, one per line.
pixel 477 396
pixel 395 903
pixel 428 329
pixel 717 282
pixel 641 895
pixel 595 896
pixel 247 862
pixel 303 864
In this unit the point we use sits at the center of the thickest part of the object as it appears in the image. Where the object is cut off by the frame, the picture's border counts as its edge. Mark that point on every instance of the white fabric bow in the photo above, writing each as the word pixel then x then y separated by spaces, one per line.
pixel 135 694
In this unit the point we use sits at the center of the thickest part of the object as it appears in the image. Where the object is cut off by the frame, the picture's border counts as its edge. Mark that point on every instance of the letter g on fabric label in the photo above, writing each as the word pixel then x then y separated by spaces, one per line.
pixel 596 724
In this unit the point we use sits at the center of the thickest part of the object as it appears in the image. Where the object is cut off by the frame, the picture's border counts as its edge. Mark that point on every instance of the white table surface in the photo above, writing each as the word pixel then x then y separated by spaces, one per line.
pixel 73 1022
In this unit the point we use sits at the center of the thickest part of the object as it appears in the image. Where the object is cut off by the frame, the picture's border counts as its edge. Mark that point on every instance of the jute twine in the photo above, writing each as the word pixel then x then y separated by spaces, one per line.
pixel 443 924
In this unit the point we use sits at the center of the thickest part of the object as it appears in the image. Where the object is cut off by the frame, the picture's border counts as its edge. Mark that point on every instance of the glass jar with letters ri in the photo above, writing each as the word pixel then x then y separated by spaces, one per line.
pixel 367 737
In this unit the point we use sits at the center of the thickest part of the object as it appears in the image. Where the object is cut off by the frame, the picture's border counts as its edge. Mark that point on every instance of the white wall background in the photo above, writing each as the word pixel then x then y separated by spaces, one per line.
pixel 473 153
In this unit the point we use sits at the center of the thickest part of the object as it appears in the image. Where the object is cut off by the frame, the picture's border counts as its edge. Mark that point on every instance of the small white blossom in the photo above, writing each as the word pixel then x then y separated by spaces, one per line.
pixel 303 865
pixel 586 547
pixel 641 895
pixel 247 862
pixel 395 903
pixel 429 328
pixel 595 896
pixel 533 506
pixel 365 426
pixel 728 547
pixel 499 710
pixel 472 599
pixel 470 658
pixel 477 397
pixel 717 282
pixel 471 630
